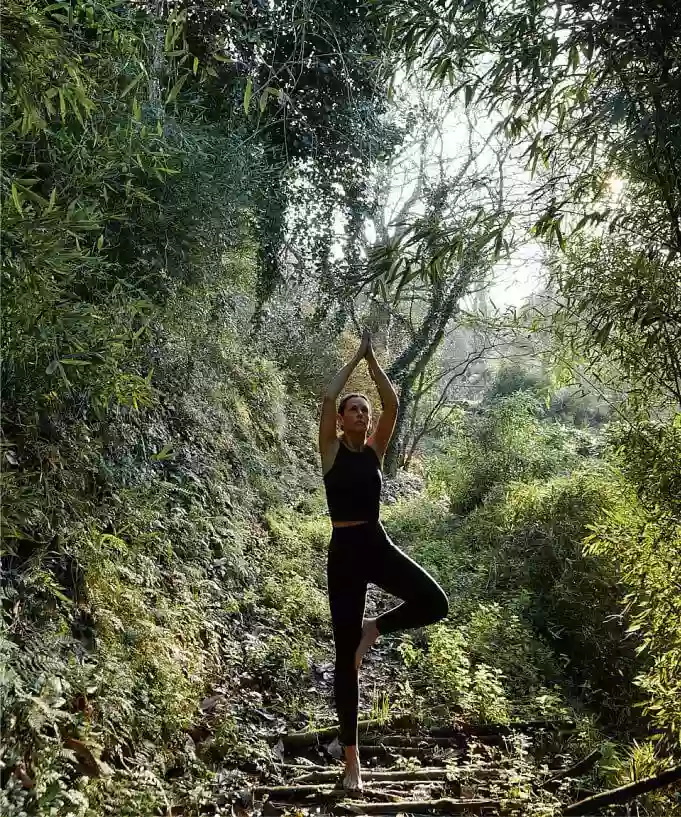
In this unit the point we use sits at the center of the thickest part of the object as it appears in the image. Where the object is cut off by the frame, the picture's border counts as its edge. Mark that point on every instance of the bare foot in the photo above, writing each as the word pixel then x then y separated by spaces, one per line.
pixel 352 779
pixel 369 635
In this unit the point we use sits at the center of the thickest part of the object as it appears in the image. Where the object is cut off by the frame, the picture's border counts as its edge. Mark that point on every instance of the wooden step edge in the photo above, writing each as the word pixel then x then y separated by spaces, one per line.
pixel 473 806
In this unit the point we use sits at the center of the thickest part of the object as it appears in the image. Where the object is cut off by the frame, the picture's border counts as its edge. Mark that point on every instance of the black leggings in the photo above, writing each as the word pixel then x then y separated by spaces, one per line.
pixel 358 555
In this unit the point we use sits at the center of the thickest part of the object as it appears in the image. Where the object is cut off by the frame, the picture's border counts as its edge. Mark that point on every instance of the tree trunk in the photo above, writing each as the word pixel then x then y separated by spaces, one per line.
pixel 391 462
pixel 409 366
pixel 380 324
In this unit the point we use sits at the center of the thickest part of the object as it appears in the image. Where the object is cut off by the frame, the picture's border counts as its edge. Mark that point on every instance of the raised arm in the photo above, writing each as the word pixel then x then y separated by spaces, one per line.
pixel 328 440
pixel 386 422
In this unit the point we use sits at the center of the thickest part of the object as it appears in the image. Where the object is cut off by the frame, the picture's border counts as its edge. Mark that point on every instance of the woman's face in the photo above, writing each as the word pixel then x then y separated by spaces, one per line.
pixel 356 416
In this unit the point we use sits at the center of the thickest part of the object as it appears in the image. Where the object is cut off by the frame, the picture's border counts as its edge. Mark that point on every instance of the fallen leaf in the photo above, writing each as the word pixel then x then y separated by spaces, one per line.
pixel 209 704
pixel 278 750
pixel 11 458
pixel 90 763
pixel 245 797
pixel 20 772
pixel 335 749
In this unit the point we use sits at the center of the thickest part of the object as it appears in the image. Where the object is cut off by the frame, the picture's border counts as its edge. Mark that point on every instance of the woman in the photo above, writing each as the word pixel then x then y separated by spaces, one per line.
pixel 360 550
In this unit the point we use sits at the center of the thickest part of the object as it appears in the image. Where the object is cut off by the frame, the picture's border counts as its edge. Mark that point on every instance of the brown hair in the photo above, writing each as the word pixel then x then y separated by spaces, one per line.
pixel 345 398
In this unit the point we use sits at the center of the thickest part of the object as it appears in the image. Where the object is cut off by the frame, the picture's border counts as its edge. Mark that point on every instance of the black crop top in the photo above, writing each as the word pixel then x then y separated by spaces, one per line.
pixel 353 485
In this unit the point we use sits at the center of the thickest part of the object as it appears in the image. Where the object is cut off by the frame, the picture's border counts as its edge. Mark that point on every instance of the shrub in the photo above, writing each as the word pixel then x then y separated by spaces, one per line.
pixel 506 442
pixel 526 596
pixel 644 540
pixel 535 541
pixel 477 691
pixel 512 377
pixel 132 551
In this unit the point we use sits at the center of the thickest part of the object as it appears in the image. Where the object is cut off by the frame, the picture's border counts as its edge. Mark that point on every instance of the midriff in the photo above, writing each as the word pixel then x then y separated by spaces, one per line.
pixel 347 524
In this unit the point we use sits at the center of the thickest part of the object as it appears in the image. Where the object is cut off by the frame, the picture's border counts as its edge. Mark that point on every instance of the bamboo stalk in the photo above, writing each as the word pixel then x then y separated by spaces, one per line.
pixel 624 793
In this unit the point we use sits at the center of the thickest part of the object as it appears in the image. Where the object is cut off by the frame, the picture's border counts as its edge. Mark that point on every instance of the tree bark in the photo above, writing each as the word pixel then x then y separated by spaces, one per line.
pixel 439 773
pixel 409 366
pixel 391 462
pixel 295 739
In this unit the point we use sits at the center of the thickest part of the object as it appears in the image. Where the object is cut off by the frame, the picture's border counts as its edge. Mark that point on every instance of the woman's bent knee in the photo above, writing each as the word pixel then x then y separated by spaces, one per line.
pixel 439 605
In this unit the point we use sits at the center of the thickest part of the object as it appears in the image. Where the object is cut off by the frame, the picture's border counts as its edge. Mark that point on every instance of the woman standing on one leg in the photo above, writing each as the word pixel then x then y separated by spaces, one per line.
pixel 360 550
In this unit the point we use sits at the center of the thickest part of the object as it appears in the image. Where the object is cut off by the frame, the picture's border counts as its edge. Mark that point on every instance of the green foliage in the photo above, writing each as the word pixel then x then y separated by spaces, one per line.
pixel 128 568
pixel 144 437
pixel 477 690
pixel 571 597
pixel 514 377
pixel 505 442
pixel 490 669
pixel 76 157
pixel 526 598
pixel 621 766
pixel 501 638
pixel 292 571
pixel 622 307
pixel 645 541
pixel 158 454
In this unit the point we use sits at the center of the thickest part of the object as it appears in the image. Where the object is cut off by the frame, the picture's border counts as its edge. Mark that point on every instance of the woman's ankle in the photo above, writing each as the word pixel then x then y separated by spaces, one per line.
pixel 351 755
pixel 352 778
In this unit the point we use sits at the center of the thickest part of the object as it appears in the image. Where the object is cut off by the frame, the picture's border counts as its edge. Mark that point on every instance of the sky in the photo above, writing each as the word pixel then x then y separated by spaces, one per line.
pixel 514 279
pixel 518 278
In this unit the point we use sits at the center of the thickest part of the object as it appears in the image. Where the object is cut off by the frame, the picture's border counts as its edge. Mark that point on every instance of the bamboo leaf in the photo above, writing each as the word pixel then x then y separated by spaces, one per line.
pixel 247 94
pixel 17 200
pixel 165 453
pixel 175 90
pixel 29 194
pixel 14 126
pixel 262 102
pixel 131 85
pixel 49 106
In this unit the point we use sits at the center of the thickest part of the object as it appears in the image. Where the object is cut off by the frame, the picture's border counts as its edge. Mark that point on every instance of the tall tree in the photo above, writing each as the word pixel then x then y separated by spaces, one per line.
pixel 313 81
pixel 437 237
